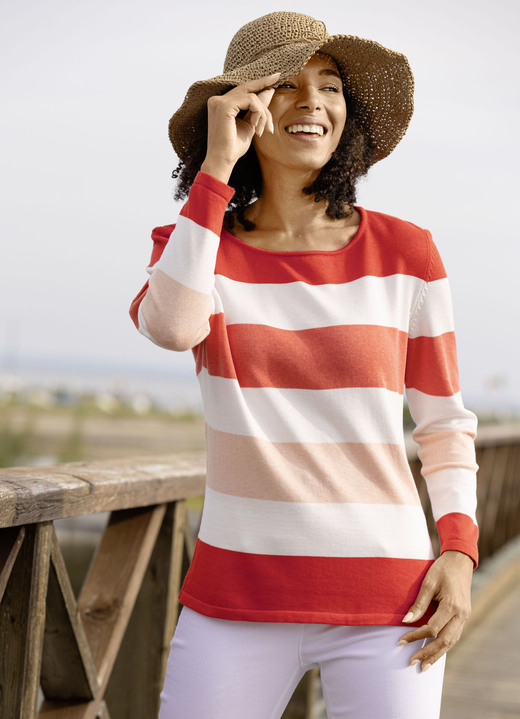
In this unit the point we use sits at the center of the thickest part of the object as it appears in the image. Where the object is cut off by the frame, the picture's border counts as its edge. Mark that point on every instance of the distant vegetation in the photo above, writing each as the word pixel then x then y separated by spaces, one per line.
pixel 43 428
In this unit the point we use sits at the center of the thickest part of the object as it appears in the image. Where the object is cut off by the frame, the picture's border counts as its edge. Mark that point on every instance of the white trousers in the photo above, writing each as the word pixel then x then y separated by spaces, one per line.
pixel 221 669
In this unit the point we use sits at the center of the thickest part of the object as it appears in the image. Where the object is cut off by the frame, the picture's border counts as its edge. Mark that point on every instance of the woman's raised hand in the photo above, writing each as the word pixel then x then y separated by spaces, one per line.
pixel 229 136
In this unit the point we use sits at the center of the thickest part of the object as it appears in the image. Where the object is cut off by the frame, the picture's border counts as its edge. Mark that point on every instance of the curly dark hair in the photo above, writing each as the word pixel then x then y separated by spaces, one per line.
pixel 335 183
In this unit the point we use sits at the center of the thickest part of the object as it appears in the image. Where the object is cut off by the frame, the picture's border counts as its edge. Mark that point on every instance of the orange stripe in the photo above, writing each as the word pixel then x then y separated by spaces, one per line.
pixel 294 472
pixel 207 202
pixel 458 532
pixel 324 590
pixel 383 246
pixel 319 358
pixel 432 365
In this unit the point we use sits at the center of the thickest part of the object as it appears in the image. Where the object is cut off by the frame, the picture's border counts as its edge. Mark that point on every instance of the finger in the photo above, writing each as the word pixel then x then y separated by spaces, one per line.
pixel 439 646
pixel 257 113
pixel 261 126
pixel 270 124
pixel 265 96
pixel 438 620
pixel 422 602
pixel 261 84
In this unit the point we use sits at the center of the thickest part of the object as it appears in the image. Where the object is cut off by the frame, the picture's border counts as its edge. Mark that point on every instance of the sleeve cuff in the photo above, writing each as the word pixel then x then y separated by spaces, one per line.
pixel 216 186
pixel 458 532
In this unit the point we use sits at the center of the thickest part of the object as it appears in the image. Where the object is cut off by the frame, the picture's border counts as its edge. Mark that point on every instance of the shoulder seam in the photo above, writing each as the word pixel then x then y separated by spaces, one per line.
pixel 427 274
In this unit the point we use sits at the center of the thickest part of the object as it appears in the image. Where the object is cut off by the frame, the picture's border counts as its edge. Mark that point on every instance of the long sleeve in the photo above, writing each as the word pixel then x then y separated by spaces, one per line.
pixel 174 307
pixel 445 430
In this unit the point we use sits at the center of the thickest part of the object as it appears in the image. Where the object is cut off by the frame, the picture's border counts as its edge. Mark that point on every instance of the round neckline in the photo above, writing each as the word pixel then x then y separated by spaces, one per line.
pixel 292 253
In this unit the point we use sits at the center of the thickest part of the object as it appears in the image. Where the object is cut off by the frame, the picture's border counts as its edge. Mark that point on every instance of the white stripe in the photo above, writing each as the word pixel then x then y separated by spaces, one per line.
pixel 431 413
pixel 190 256
pixel 435 315
pixel 299 415
pixel 261 526
pixel 452 490
pixel 384 301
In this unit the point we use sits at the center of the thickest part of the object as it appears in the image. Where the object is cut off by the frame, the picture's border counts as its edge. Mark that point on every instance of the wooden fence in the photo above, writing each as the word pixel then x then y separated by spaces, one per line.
pixel 103 653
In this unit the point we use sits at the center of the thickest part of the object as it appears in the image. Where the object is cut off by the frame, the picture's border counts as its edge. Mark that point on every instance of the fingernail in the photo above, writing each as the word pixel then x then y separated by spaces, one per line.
pixel 425 667
pixel 414 662
pixel 401 642
pixel 408 617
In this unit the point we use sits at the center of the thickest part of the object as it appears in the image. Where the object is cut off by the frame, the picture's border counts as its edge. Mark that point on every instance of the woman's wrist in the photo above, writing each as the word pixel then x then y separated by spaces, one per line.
pixel 217 169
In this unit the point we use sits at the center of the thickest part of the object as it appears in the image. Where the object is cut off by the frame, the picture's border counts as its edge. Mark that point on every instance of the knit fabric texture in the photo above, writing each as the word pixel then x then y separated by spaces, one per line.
pixel 311 512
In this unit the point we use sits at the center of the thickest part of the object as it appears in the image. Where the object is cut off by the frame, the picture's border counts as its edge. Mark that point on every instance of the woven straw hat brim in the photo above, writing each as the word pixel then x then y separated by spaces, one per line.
pixel 379 79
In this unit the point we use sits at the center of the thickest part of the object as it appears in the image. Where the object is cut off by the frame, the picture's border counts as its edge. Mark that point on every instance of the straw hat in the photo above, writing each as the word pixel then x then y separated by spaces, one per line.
pixel 379 79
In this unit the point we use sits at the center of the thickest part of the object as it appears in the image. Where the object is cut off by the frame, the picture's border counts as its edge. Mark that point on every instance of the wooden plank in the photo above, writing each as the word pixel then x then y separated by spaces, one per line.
pixel 10 542
pixel 112 585
pixel 489 487
pixel 103 711
pixel 36 494
pixel 175 574
pixel 22 619
pixel 13 629
pixel 511 502
pixel 68 670
pixel 36 619
pixel 65 710
pixel 136 679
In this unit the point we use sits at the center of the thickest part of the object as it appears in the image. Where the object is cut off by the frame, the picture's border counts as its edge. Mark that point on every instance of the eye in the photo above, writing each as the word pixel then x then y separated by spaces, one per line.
pixel 332 88
pixel 284 84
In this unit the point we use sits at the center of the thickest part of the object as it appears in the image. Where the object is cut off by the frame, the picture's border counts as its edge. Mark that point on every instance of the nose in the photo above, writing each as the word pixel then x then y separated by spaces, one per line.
pixel 309 98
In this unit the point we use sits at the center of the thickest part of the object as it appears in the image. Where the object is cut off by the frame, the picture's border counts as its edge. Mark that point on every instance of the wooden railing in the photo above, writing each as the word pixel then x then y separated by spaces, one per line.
pixel 103 653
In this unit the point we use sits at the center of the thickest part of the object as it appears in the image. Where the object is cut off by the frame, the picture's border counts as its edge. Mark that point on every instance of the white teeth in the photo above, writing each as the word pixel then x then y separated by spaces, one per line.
pixel 311 129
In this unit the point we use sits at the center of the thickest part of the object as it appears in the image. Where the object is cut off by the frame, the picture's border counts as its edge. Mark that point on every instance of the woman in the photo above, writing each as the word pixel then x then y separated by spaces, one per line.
pixel 307 317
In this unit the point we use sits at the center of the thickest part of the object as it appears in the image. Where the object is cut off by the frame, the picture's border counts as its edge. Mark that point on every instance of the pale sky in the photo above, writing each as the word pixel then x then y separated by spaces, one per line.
pixel 87 91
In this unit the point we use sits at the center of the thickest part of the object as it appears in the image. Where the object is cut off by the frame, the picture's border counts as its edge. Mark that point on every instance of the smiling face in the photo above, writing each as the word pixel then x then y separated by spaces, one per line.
pixel 309 113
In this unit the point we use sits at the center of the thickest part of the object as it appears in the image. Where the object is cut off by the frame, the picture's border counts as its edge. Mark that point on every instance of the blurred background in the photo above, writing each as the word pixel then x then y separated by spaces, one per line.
pixel 87 91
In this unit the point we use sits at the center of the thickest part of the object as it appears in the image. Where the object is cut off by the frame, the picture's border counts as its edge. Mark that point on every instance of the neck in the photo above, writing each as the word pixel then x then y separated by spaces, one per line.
pixel 284 207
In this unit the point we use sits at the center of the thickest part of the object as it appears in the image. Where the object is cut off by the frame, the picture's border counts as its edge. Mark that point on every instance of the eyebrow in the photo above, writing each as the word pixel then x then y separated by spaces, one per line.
pixel 330 71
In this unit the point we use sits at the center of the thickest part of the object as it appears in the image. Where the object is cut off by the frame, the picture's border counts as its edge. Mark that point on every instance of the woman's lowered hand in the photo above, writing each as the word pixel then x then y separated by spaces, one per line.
pixel 448 581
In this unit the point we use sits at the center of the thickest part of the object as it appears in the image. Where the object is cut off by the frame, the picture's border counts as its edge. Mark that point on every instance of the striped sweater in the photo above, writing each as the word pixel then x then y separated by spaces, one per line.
pixel 311 513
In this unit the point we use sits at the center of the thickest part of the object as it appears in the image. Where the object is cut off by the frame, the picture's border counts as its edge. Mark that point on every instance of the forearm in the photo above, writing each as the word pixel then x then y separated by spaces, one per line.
pixel 174 309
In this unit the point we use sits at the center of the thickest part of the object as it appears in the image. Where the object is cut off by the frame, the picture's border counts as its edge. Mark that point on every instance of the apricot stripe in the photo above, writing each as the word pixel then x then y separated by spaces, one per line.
pixel 309 472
